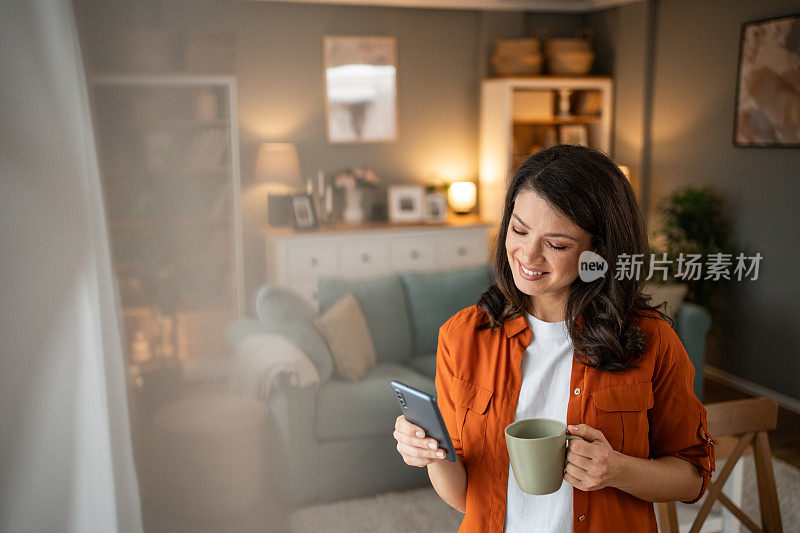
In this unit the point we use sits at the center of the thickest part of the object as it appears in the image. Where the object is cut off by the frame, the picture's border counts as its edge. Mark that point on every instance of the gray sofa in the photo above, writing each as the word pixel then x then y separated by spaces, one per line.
pixel 334 440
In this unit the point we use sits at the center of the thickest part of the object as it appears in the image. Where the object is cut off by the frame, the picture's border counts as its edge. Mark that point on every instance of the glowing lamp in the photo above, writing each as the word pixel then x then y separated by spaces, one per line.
pixel 462 196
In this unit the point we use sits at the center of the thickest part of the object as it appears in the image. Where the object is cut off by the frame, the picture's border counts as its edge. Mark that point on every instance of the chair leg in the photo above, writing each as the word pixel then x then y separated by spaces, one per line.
pixel 667 517
pixel 767 492
pixel 733 489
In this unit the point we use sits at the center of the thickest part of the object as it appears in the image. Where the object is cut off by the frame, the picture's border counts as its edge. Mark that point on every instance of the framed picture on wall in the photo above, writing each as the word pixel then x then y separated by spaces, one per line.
pixel 768 85
pixel 360 88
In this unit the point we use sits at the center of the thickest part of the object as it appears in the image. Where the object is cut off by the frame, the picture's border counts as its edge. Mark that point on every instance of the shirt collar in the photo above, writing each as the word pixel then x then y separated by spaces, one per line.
pixel 515 325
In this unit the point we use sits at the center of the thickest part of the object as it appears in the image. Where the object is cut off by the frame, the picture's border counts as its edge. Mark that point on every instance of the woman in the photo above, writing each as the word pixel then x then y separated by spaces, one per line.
pixel 594 354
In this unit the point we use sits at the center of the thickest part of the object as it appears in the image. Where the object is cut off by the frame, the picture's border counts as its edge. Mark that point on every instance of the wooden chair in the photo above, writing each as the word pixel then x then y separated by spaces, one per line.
pixel 748 420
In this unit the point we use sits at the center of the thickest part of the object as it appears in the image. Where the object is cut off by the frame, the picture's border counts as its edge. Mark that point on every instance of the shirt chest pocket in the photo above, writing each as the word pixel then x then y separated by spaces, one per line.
pixel 621 414
pixel 472 402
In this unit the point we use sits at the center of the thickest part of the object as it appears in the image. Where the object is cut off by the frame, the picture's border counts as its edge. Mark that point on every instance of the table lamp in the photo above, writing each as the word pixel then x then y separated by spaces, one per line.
pixel 278 163
pixel 461 195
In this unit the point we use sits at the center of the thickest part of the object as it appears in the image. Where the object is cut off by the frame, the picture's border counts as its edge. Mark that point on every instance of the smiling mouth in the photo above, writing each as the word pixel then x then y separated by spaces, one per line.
pixel 531 274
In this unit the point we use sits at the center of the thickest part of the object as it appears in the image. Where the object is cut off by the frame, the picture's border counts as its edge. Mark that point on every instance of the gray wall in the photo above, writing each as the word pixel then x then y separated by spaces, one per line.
pixel 697 50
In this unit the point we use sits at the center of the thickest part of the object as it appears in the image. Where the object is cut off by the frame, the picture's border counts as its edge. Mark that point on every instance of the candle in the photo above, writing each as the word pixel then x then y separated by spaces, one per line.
pixel 328 200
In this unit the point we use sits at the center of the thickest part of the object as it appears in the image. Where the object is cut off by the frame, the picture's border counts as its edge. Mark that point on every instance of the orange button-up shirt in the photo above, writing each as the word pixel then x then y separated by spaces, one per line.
pixel 648 411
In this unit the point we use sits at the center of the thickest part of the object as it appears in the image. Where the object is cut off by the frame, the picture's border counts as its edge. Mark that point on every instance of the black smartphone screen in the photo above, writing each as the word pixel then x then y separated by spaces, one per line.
pixel 420 409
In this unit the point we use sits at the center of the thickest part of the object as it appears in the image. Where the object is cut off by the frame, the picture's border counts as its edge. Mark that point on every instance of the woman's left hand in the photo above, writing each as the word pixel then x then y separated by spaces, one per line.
pixel 591 463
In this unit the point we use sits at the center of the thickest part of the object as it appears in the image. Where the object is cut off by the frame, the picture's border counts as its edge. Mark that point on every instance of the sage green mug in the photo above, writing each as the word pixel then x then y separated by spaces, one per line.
pixel 537 448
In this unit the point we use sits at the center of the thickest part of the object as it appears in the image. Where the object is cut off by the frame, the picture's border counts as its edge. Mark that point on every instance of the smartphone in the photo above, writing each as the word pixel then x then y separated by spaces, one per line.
pixel 420 409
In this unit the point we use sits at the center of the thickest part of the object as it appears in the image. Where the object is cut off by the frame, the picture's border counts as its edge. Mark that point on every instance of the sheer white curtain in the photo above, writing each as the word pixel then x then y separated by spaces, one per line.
pixel 65 451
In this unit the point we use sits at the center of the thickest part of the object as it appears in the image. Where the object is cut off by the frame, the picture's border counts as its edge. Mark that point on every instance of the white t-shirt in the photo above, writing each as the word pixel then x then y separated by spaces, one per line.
pixel 546 372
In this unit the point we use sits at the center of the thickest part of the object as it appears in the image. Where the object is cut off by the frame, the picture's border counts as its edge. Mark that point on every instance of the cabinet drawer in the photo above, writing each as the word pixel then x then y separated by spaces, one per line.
pixel 307 261
pixel 462 249
pixel 413 254
pixel 364 256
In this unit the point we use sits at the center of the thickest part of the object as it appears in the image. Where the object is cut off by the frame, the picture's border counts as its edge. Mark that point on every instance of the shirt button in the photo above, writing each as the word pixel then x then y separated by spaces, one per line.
pixel 581 518
pixel 577 390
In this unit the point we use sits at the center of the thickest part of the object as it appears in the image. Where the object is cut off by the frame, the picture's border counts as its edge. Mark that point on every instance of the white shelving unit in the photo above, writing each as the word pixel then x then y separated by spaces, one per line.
pixel 168 147
pixel 505 142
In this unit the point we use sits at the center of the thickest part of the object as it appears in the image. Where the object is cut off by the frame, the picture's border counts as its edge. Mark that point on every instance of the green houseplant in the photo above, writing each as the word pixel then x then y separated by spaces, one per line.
pixel 693 221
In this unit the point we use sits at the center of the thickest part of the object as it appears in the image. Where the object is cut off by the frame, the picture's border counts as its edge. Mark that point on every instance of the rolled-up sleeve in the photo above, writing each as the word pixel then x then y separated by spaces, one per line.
pixel 678 419
pixel 444 391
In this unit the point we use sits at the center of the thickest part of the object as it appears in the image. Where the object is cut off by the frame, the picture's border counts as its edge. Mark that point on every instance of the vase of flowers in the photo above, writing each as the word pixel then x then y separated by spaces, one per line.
pixel 353 181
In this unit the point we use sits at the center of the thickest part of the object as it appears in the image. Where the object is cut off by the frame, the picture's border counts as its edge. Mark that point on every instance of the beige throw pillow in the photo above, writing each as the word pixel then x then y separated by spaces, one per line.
pixel 672 293
pixel 344 327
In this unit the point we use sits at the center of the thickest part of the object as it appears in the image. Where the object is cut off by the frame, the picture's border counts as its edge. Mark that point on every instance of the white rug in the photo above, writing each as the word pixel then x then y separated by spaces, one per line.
pixel 421 510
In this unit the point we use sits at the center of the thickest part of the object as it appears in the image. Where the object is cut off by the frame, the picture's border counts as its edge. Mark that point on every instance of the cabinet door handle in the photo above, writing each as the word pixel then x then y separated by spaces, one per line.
pixel 414 254
pixel 462 250
pixel 314 261
pixel 365 258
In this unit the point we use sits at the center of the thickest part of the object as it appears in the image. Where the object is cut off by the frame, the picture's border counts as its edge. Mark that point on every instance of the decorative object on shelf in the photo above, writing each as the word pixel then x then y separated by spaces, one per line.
pixel 277 163
pixel 573 134
pixel 361 89
pixel 462 196
pixel 435 207
pixel 322 195
pixel 303 214
pixel 570 56
pixel 767 101
pixel 353 181
pixel 405 203
pixel 532 106
pixel 563 102
pixel 517 57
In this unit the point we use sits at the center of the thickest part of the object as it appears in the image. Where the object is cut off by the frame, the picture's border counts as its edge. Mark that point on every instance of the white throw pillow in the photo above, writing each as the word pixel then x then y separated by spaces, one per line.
pixel 344 327
pixel 672 293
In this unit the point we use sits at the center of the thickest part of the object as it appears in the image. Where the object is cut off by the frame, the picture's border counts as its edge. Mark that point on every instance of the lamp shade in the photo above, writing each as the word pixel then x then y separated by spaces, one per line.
pixel 462 196
pixel 278 163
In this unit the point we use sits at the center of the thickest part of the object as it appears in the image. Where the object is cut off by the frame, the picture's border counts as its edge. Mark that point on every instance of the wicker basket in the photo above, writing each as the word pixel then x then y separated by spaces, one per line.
pixel 517 57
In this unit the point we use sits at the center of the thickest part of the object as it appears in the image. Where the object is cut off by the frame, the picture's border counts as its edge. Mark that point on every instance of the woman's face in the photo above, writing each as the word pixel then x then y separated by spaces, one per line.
pixel 543 247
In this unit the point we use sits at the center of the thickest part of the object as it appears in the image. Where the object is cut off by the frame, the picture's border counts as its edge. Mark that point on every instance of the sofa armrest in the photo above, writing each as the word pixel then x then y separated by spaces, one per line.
pixel 292 414
pixel 692 323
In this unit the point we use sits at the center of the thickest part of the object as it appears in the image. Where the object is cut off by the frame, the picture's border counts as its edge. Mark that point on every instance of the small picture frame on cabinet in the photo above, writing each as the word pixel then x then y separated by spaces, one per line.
pixel 435 208
pixel 303 214
pixel 405 203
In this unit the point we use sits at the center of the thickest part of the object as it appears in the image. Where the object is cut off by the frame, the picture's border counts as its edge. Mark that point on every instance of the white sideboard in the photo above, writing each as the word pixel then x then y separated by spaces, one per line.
pixel 298 258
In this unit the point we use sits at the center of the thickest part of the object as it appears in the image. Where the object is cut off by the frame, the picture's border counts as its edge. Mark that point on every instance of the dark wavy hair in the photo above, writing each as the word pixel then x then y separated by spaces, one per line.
pixel 590 190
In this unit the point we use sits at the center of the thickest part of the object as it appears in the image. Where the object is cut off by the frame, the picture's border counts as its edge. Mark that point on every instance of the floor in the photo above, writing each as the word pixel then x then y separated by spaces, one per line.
pixel 784 440
pixel 271 516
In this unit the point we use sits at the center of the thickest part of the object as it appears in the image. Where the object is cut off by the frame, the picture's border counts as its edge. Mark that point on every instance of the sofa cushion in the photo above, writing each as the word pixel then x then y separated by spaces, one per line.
pixel 383 303
pixel 344 327
pixel 276 302
pixel 424 364
pixel 347 410
pixel 282 310
pixel 433 297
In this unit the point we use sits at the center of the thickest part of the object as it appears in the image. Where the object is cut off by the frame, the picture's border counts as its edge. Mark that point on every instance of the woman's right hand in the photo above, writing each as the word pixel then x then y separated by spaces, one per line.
pixel 413 446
